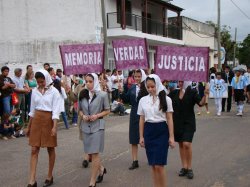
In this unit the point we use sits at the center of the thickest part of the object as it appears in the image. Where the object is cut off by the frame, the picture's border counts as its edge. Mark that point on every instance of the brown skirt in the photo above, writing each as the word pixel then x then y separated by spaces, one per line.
pixel 40 132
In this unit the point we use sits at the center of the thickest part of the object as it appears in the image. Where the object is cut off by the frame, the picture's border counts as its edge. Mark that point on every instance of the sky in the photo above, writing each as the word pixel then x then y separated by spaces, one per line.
pixel 206 10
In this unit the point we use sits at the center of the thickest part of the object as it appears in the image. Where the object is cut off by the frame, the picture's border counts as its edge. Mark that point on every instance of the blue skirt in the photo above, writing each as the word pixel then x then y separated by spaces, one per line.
pixel 156 137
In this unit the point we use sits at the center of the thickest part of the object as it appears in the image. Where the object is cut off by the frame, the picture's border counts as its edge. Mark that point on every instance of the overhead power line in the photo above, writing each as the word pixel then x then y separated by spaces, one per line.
pixel 188 27
pixel 240 9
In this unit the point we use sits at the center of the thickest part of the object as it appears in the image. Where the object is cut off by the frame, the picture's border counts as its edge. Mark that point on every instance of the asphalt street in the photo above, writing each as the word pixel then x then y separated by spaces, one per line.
pixel 221 156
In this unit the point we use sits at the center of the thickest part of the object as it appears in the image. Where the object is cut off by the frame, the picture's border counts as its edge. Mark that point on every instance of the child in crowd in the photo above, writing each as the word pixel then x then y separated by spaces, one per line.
pixel 118 107
pixel 16 120
pixel 6 127
pixel 219 87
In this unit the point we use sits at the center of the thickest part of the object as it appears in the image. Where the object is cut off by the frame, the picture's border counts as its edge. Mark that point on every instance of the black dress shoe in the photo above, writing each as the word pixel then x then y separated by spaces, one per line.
pixel 85 163
pixel 134 165
pixel 190 174
pixel 32 185
pixel 183 172
pixel 100 177
pixel 48 182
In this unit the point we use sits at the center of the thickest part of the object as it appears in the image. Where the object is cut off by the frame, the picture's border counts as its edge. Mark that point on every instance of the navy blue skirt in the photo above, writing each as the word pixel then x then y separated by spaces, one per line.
pixel 156 137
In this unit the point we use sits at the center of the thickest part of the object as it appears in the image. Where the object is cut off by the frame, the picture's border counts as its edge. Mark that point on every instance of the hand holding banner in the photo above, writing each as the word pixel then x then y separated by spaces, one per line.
pixel 82 58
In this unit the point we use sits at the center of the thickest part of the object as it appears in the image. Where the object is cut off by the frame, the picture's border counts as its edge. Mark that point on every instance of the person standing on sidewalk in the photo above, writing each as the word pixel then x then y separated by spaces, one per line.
pixel 185 123
pixel 42 127
pixel 6 87
pixel 227 76
pixel 93 106
pixel 156 127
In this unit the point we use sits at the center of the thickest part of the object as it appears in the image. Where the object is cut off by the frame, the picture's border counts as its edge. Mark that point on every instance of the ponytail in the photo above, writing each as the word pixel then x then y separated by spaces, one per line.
pixel 163 102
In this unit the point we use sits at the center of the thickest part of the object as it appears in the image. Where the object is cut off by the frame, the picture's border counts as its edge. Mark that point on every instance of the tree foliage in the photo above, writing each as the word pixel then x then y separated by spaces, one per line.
pixel 244 51
pixel 226 41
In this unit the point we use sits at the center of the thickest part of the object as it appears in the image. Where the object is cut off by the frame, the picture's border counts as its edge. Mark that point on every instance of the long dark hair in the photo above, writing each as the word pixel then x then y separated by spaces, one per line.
pixel 162 97
pixel 57 85
pixel 143 91
pixel 84 94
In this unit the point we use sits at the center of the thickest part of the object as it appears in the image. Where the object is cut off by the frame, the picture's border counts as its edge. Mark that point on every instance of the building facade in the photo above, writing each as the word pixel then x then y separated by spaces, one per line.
pixel 31 31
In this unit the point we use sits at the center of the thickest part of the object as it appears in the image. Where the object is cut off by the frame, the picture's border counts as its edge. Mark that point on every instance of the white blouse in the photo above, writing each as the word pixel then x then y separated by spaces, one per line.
pixel 151 110
pixel 50 102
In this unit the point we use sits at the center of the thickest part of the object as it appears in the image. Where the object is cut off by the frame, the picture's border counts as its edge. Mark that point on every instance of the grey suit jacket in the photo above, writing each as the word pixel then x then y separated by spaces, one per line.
pixel 99 103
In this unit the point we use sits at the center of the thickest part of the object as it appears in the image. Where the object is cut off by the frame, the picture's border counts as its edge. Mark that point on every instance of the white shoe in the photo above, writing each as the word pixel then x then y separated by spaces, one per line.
pixel 74 124
pixel 239 114
pixel 5 138
pixel 13 137
pixel 218 114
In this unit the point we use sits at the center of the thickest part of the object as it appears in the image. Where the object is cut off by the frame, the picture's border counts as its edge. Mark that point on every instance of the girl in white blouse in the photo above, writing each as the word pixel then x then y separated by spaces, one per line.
pixel 42 128
pixel 156 127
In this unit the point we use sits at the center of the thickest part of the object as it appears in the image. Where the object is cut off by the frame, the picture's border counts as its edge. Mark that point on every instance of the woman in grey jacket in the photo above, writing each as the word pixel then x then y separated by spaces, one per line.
pixel 93 106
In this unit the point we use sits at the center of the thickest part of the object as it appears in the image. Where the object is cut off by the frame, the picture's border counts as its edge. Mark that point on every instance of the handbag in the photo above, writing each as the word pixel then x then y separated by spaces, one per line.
pixel 14 99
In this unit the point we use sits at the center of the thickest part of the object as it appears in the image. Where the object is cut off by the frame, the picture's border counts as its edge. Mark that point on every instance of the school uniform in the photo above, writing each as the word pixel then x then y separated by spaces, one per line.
pixel 44 109
pixel 227 77
pixel 218 99
pixel 247 77
pixel 238 84
pixel 156 134
pixel 184 116
pixel 131 98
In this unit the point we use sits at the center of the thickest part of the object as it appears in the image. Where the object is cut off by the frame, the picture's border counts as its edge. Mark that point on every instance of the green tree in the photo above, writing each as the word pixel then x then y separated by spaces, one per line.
pixel 244 51
pixel 226 41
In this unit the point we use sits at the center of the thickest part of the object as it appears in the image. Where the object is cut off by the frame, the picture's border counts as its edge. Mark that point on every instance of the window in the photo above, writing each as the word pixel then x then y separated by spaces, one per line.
pixel 128 11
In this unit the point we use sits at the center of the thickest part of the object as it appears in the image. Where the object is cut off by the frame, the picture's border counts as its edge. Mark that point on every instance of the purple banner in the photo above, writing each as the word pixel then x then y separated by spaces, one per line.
pixel 182 63
pixel 130 54
pixel 82 58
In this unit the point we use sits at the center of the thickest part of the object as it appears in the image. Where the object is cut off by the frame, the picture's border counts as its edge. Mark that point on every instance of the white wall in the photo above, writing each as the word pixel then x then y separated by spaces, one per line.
pixel 31 30
pixel 201 35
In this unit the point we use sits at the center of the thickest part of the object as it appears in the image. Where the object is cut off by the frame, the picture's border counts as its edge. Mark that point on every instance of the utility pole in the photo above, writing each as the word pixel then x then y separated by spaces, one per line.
pixel 104 22
pixel 219 46
pixel 235 44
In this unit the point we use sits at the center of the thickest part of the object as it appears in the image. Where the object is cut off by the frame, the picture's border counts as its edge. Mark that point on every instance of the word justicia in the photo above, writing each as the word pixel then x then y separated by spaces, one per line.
pixel 84 58
pixel 182 63
pixel 129 53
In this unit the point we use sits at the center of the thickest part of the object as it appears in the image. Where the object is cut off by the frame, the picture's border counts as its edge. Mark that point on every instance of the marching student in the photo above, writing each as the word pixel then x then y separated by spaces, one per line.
pixel 93 106
pixel 184 101
pixel 218 98
pixel 227 76
pixel 42 127
pixel 156 127
pixel 247 76
pixel 239 91
pixel 133 96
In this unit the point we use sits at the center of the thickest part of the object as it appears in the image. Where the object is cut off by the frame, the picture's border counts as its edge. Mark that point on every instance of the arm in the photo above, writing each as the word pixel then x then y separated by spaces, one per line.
pixel 106 109
pixel 141 130
pixel 8 85
pixel 169 116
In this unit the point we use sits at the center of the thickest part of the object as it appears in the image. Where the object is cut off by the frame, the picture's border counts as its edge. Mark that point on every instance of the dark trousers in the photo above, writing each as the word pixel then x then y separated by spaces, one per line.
pixel 120 109
pixel 8 132
pixel 229 100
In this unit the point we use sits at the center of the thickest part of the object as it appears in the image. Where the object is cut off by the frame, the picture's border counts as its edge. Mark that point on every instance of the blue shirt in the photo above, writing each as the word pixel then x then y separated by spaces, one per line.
pixel 242 83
